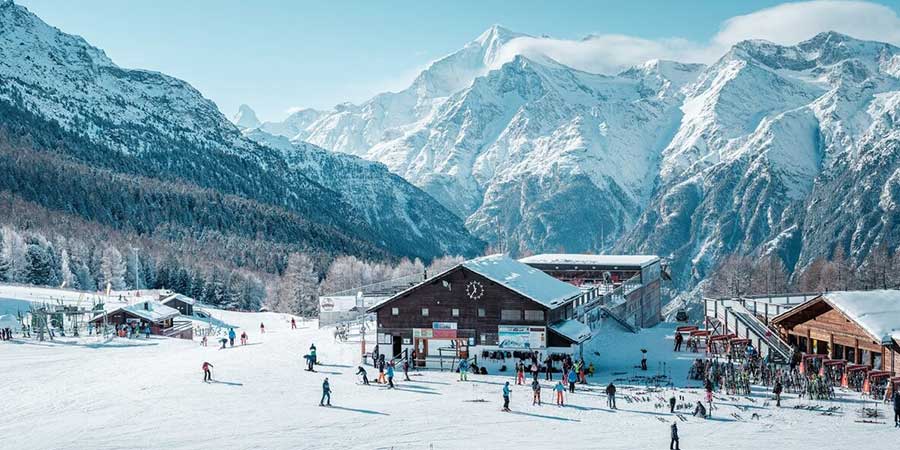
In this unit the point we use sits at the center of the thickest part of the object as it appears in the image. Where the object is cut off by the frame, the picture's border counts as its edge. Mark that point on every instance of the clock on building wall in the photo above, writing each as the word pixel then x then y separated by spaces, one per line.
pixel 474 290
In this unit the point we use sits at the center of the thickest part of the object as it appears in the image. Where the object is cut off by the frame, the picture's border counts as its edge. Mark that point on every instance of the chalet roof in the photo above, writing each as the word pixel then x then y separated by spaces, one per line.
pixel 877 312
pixel 573 330
pixel 518 277
pixel 589 260
pixel 523 279
pixel 153 311
pixel 180 297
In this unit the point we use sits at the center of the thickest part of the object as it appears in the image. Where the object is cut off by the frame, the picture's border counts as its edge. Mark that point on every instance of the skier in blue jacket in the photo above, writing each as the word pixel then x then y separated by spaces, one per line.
pixel 326 392
pixel 231 336
pixel 463 369
pixel 573 377
pixel 390 375
pixel 506 391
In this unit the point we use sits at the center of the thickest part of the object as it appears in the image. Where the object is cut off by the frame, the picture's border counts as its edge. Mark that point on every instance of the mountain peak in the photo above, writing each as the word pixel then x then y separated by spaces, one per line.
pixel 245 117
pixel 497 34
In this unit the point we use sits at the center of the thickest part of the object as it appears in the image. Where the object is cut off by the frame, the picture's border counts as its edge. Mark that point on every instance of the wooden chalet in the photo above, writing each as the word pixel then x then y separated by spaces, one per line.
pixel 161 319
pixel 860 327
pixel 487 304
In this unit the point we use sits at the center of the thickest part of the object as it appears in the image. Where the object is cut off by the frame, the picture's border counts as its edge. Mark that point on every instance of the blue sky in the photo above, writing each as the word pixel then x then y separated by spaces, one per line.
pixel 275 54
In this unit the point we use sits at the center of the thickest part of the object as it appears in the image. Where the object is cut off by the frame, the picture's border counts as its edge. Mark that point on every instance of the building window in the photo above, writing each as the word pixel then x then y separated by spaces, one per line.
pixel 510 314
pixel 395 311
pixel 425 312
pixel 481 312
pixel 535 316
pixel 455 312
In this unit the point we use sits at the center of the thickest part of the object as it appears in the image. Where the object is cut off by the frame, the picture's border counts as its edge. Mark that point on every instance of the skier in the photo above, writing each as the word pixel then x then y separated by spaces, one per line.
pixel 548 365
pixel 309 363
pixel 312 353
pixel 534 371
pixel 678 340
pixel 700 410
pixel 147 331
pixel 207 374
pixel 506 397
pixel 709 394
pixel 536 389
pixel 591 369
pixel 581 377
pixel 224 342
pixel 572 379
pixel 777 391
pixel 262 328
pixel 361 371
pixel 390 375
pixel 611 395
pixel 643 359
pixel 406 369
pixel 243 338
pixel 463 370
pixel 673 445
pixel 520 373
pixel 381 379
pixel 203 341
pixel 293 324
pixel 896 399
pixel 326 393
pixel 231 336
pixel 672 404
pixel 559 389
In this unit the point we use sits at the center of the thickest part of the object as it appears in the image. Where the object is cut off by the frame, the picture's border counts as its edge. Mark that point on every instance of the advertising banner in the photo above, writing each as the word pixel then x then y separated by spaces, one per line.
pixel 444 330
pixel 509 336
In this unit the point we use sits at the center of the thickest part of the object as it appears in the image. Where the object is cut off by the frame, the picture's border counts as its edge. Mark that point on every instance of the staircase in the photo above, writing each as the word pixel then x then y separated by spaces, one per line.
pixel 732 317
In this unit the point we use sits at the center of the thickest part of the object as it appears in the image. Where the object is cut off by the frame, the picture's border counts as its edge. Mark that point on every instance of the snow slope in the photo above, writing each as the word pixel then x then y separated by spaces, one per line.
pixel 141 394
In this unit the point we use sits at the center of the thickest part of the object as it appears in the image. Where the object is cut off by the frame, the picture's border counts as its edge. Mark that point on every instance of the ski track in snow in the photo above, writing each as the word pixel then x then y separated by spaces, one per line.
pixel 148 394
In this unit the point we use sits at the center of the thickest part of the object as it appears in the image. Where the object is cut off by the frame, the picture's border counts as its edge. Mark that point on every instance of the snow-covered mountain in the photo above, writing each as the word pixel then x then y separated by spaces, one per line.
pixel 245 118
pixel 66 101
pixel 683 160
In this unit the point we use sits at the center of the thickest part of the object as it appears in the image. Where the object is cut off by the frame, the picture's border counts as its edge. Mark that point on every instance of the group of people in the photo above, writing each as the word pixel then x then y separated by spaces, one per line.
pixel 133 330
pixel 6 334
pixel 232 335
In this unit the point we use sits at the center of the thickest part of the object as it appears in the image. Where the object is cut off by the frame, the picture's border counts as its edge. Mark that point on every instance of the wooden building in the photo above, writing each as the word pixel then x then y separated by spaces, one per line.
pixel 860 327
pixel 161 319
pixel 636 277
pixel 183 303
pixel 487 304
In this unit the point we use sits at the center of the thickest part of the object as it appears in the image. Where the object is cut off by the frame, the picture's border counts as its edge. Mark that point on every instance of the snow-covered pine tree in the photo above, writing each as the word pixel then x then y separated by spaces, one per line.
pixel 112 269
pixel 38 269
pixel 298 288
pixel 4 262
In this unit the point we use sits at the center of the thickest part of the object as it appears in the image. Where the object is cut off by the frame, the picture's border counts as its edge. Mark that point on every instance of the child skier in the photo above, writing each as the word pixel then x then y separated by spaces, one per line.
pixel 243 338
pixel 309 363
pixel 293 324
pixel 464 369
pixel 361 371
pixel 224 342
pixel 777 391
pixel 312 353
pixel 520 372
pixel 506 397
pixel 381 379
pixel 559 389
pixel 262 328
pixel 406 369
pixel 207 374
pixel 326 393
pixel 536 389
pixel 390 375
pixel 231 336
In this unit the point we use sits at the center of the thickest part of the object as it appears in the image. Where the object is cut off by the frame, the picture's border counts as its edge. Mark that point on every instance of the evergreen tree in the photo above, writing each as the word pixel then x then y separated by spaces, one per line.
pixel 38 270
pixel 4 262
pixel 298 288
pixel 112 269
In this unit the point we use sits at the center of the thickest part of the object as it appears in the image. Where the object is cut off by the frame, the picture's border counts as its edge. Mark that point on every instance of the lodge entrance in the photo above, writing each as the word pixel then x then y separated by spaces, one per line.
pixel 397 346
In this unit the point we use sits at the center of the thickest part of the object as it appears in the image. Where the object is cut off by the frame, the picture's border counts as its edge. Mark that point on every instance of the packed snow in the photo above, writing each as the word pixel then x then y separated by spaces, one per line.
pixel 148 393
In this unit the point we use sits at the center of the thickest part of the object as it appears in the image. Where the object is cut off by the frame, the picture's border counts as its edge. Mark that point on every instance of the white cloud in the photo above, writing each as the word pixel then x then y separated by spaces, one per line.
pixel 788 23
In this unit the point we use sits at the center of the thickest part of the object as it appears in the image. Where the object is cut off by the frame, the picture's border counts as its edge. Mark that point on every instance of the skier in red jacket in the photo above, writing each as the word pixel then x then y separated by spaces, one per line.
pixel 207 374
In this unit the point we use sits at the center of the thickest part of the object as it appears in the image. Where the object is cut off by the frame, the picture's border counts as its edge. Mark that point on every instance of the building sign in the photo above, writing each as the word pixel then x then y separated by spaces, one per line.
pixel 426 333
pixel 521 336
pixel 444 330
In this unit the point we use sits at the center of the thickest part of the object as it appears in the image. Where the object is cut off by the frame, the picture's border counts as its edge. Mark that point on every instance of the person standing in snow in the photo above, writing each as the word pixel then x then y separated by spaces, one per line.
pixel 678 340
pixel 573 377
pixel 559 389
pixel 672 402
pixel 520 373
pixel 243 338
pixel 312 353
pixel 207 374
pixel 406 369
pixel 709 393
pixel 262 328
pixel 147 331
pixel 643 359
pixel 326 393
pixel 506 397
pixel 361 371
pixel 381 379
pixel 611 395
pixel 390 375
pixel 231 336
pixel 309 363
pixel 548 363
pixel 673 444
pixel 777 391
pixel 293 324
pixel 464 369
pixel 224 342
pixel 536 389
pixel 203 341
pixel 896 399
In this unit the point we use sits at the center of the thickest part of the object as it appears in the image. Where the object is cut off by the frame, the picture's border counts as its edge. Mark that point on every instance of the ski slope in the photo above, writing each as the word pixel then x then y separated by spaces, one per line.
pixel 149 394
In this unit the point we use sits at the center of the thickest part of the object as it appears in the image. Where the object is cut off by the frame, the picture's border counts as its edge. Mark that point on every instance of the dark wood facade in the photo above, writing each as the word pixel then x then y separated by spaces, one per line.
pixel 447 301
pixel 184 307
pixel 818 328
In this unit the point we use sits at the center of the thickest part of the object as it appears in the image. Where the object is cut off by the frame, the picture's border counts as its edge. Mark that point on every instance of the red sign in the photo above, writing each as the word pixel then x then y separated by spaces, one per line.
pixel 444 333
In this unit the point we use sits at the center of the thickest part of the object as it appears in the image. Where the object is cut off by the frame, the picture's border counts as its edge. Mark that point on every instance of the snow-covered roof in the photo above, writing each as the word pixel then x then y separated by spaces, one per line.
pixel 179 297
pixel 877 312
pixel 524 279
pixel 150 310
pixel 591 260
pixel 572 329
